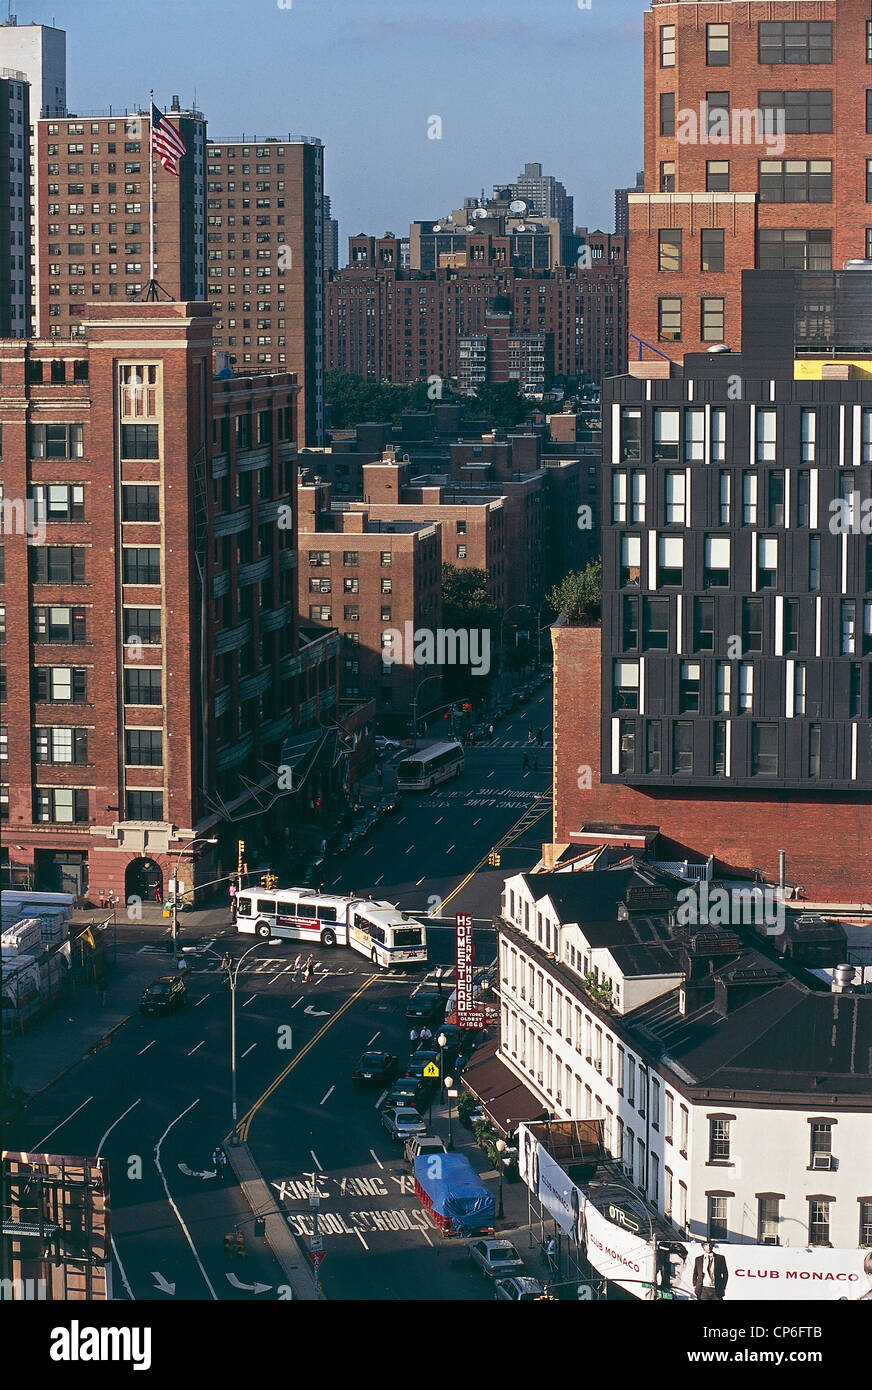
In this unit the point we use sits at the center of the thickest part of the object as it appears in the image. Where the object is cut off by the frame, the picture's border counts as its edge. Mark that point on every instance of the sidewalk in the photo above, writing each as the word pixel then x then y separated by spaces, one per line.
pixel 279 1237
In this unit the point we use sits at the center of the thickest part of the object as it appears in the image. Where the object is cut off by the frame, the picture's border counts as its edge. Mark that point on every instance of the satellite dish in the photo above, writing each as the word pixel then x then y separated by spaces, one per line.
pixel 480 212
pixel 518 205
pixel 470 227
pixel 521 228
pixel 437 226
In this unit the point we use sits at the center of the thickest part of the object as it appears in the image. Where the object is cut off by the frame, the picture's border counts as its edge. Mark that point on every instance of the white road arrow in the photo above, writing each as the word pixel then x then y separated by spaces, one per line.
pixel 316 1013
pixel 192 1173
pixel 249 1288
pixel 162 1284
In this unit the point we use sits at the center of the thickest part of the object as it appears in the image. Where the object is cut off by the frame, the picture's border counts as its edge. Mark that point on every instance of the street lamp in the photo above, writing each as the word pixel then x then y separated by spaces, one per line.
pixel 197 840
pixel 415 709
pixel 500 1147
pixel 449 1082
pixel 232 976
pixel 442 1041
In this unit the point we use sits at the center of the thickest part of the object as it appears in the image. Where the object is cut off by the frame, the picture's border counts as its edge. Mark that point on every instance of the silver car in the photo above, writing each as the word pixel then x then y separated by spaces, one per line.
pixel 401 1122
pixel 521 1290
pixel 496 1257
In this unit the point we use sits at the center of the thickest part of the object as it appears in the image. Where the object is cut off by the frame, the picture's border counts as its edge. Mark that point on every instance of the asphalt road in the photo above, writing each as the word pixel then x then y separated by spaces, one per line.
pixel 155 1101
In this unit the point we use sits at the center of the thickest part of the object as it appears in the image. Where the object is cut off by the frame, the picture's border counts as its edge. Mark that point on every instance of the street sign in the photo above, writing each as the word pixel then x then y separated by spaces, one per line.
pixel 317 1243
pixel 431 1069
pixel 316 1256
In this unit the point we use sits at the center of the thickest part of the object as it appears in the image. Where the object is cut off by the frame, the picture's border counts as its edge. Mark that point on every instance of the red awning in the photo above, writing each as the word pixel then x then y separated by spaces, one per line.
pixel 502 1096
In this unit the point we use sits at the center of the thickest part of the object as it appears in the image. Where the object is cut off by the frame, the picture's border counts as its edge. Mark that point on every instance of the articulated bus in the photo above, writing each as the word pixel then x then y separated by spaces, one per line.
pixel 435 763
pixel 378 930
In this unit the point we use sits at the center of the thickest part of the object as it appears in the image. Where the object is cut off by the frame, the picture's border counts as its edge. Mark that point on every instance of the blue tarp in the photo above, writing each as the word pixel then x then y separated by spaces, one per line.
pixel 456 1191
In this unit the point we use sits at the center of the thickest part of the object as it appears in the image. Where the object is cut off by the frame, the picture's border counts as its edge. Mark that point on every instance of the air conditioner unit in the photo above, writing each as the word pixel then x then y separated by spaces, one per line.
pixel 769 1240
pixel 822 1162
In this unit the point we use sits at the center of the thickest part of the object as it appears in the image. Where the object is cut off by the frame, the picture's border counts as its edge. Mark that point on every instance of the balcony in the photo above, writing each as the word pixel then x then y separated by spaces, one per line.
pixel 220 465
pixel 255 685
pixel 276 619
pixel 255 570
pixel 229 523
pixel 247 460
pixel 233 637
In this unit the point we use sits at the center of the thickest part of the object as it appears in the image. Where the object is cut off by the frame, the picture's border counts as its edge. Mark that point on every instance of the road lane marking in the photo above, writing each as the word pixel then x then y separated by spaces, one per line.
pixel 377 1159
pixel 378 880
pixel 201 1001
pixel 114 1123
pixel 249 1049
pixel 178 1214
pixel 418 884
pixel 197 1048
pixel 373 1038
pixel 299 1001
pixel 121 1269
pixel 436 822
pixel 315 1158
pixel 426 1237
pixel 327 1097
pixel 379 1101
pixel 400 821
pixel 361 1239
pixel 475 822
pixel 369 851
pixel 492 771
pixel 249 1001
pixel 145 1049
pixel 449 849
pixel 409 850
pixel 38 1147
pixel 245 1124
pixel 335 881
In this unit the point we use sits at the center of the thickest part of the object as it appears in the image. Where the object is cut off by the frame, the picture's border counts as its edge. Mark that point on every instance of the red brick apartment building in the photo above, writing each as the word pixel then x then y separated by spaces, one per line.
pixel 152 672
pixel 724 192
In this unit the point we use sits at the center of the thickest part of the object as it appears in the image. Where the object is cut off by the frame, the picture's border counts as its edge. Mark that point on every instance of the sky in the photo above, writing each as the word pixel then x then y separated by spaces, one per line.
pixel 513 81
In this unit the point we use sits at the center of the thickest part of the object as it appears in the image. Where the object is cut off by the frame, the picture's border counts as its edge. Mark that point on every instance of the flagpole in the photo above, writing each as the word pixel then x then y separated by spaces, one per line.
pixel 151 276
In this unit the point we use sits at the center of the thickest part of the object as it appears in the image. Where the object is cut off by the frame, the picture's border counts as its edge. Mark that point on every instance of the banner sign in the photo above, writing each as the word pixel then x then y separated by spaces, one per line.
pixel 467 1014
pixel 727 1273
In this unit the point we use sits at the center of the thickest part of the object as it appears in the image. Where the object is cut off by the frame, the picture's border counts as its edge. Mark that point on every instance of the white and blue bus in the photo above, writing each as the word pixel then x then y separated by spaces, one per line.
pixel 437 762
pixel 378 930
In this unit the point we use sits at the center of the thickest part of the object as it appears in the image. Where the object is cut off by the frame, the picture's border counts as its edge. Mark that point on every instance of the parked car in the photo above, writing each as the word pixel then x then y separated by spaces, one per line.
pixel 411 1092
pixel 496 1257
pixel 387 745
pixel 163 996
pixel 401 1122
pixel 419 1060
pixel 426 1007
pixel 379 1067
pixel 518 1290
pixel 422 1144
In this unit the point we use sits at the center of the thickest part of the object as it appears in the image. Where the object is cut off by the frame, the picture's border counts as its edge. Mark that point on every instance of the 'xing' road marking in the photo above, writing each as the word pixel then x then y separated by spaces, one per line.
pixel 327 1097
pixel 436 822
pixel 315 1158
pixel 249 1049
pixel 377 1159
pixel 197 1048
pixel 145 1049
pixel 373 1038
pixel 249 1001
pixel 378 1103
pixel 298 1001
pixel 178 1214
pixel 39 1147
pixel 245 1123
pixel 201 1001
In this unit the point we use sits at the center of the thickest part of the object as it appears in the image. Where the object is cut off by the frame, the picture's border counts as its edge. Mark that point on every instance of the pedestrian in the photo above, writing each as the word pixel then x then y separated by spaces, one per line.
pixel 439 980
pixel 459 1063
pixel 380 774
pixel 490 732
pixel 426 1035
pixel 308 969
pixel 525 765
pixel 298 969
pixel 535 762
pixel 227 962
pixel 222 1164
pixel 413 1037
pixel 529 733
pixel 540 737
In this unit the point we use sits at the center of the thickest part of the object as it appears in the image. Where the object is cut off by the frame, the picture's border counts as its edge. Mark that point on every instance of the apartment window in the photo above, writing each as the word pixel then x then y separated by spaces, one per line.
pixel 794 248
pixel 61 805
pixel 320 559
pixel 61 745
pixel 142 685
pixel 848 616
pixel 139 441
pixel 746 687
pixel 717 176
pixel 675 509
pixel 145 805
pixel 712 320
pixel 716 562
pixel 717 113
pixel 626 685
pixel 717 45
pixel 796 180
pixel 143 747
pixel 140 502
pixel 688 687
pixel 631 557
pixel 682 748
pixel 719 749
pixel 797 112
pixel 694 436
pixel 667 176
pixel 814 750
pixel 767 561
pixel 619 496
pixel 461 552
pixel 866 1221
pixel 768 1220
pixel 802 496
pixel 717 1226
pixel 764 750
pixel 819 1222
pixel 56 441
pixel 352 613
pixel 631 433
pixel 749 499
pixel 349 557
pixel 766 432
pixel 752 624
pixel 795 42
pixel 320 586
pixel 669 249
pixel 142 625
pixel 630 623
pixel 869 180
pixel 637 497
pixel 631 1079
pixel 724 498
pixel 385 559
pixel 669 320
pixel 667 45
pixel 711 248
pixel 140 564
pixel 814 563
pixel 319 612
pixel 652 747
pixel 351 584
pixel 670 562
pixel 723 687
pixel 855 690
pixel 791 625
pixel 800 685
pixel 666 433
pixel 386 586
pixel 58 624
pixel 667 113
pixel 703 624
pixel 57 564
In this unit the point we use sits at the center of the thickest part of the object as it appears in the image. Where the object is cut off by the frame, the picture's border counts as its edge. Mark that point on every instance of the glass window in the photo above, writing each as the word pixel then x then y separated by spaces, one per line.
pixel 670 561
pixel 626 685
pixel 717 37
pixel 669 320
pixel 675 511
pixel 752 624
pixel 717 176
pixel 670 248
pixel 694 436
pixel 767 561
pixel 794 248
pixel 631 553
pixel 764 750
pixel 724 677
pixel 666 434
pixel 724 495
pixel 667 45
pixel 712 320
pixel 667 113
pixel 655 624
pixel 711 247
pixel 682 747
pixel 688 689
pixel 631 432
pixel 795 42
pixel 718 1228
pixel 819 1223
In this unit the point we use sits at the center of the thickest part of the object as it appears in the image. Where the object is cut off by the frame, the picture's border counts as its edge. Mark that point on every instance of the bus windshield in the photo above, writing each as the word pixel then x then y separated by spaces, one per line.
pixel 407 936
pixel 410 770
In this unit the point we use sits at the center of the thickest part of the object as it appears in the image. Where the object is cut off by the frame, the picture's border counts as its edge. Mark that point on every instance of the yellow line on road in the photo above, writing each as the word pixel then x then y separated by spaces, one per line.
pixel 245 1123
pixel 521 824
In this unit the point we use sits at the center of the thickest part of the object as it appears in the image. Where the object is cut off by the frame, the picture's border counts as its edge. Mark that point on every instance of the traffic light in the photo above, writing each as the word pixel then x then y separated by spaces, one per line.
pixel 494 859
pixel 466 707
pixel 268 880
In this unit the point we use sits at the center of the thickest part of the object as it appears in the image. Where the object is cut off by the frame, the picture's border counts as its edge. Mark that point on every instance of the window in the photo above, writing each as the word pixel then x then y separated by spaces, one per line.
pixel 637 497
pixel 718 113
pixel 717 1218
pixel 461 552
pixel 350 584
pixel 819 1222
pixel 670 561
pixel 694 436
pixel 670 249
pixel 627 745
pixel 749 499
pixel 142 625
pixel 140 502
pixel 139 441
pixel 800 685
pixel 712 320
pixel 667 45
pixel 766 424
pixel 688 688
pixel 61 746
pixel 848 623
pixel 764 750
pixel 669 320
pixel 717 45
pixel 56 441
pixel 319 612
pixel 58 502
pixel 746 687
pixel 675 513
pixel 631 553
pixel 57 564
pixel 667 113
pixel 386 586
pixel 630 623
pixel 723 686
pixel 795 42
pixel 631 433
pixel 320 586
pixel 865 1221
pixel 667 176
pixel 352 613
pixel 791 625
pixel 666 427
pixel 385 559
pixel 711 249
pixel 682 747
pixel 655 617
pixel 796 180
pixel 349 557
pixel 703 625
pixel 619 496
pixel 626 685
pixel 797 112
pixel 752 624
pixel 652 746
pixel 794 249
pixel 61 805
pixel 717 176
pixel 716 559
pixel 814 563
pixel 142 685
pixel 767 561
pixel 58 625
pixel 140 564
pixel 814 750
pixel 145 805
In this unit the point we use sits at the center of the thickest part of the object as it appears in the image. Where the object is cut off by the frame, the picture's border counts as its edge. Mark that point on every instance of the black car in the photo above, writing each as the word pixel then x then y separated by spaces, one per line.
pixel 426 1006
pixel 419 1060
pixel 164 995
pixel 375 1067
pixel 411 1091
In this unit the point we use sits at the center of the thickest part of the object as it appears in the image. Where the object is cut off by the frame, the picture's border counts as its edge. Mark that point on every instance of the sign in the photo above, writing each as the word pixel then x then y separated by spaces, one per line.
pixel 464 947
pixel 771 1272
pixel 623 1256
pixel 316 1256
pixel 317 1242
pixel 431 1069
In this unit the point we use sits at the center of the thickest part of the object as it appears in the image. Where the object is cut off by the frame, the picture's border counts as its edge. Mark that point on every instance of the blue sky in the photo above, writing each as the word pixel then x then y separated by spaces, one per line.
pixel 513 81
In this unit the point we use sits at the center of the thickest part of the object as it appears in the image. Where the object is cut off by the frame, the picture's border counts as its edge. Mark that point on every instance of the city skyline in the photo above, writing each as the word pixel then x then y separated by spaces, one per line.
pixel 344 67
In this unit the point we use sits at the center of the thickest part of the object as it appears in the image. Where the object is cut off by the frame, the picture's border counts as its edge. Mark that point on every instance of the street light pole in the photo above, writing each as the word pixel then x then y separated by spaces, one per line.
pixel 232 977
pixel 500 1147
pixel 198 839
pixel 418 690
pixel 441 1041
pixel 449 1082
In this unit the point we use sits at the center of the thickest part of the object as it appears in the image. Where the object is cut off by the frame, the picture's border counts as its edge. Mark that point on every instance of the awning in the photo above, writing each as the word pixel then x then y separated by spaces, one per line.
pixel 504 1098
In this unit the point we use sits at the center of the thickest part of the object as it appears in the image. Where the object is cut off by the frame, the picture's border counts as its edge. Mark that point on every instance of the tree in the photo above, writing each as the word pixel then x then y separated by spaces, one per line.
pixel 501 404
pixel 580 594
pixel 467 606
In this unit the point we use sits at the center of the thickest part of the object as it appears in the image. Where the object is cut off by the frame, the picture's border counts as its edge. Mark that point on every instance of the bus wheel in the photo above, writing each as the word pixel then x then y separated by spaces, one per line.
pixel 328 938
pixel 264 931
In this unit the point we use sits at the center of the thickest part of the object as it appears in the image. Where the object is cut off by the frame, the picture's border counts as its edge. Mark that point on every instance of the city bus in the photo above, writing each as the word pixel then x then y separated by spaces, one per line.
pixel 434 763
pixel 378 930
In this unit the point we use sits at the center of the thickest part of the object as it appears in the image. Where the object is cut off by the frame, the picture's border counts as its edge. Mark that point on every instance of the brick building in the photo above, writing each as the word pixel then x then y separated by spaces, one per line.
pixel 384 323
pixel 265 231
pixel 152 658
pixel 756 115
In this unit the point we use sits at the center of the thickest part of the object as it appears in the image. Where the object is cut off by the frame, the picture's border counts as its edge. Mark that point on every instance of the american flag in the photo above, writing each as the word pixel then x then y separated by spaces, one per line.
pixel 166 141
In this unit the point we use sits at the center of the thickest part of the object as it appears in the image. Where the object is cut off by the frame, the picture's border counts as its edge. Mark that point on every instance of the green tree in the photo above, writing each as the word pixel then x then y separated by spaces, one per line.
pixel 501 404
pixel 466 605
pixel 580 593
